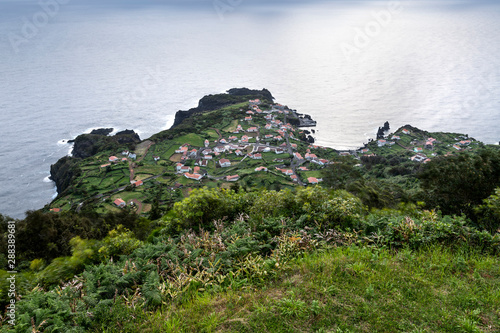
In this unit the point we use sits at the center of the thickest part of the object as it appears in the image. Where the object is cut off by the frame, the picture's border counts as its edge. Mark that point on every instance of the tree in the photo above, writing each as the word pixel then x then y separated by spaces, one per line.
pixel 457 183
pixel 489 212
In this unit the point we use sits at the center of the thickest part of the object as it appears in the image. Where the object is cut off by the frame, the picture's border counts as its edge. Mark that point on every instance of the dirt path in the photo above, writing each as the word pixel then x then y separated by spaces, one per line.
pixel 138 204
pixel 219 133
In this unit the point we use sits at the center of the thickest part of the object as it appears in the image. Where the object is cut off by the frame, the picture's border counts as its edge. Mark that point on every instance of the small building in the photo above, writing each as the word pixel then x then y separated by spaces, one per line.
pixel 418 158
pixel 224 163
pixel 312 180
pixel 252 129
pixel 405 131
pixel 418 149
pixel 106 165
pixel 294 178
pixel 55 210
pixel 311 156
pixel 262 168
pixel 303 168
pixel 381 142
pixel 249 118
pixel 457 147
pixel 395 137
pixel 119 203
pixel 220 149
pixel 137 183
pixel 257 156
pixel 113 159
pixel 298 156
pixel 206 143
pixel 232 178
pixel 279 150
pixel 192 176
pixel 132 156
pixel 181 150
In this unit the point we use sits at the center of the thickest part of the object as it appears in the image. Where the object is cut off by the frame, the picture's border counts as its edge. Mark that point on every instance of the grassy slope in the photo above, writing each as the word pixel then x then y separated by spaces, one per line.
pixel 352 290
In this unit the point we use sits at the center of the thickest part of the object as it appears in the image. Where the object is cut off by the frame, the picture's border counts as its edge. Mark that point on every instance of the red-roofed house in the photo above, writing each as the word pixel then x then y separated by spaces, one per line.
pixel 113 158
pixel 137 183
pixel 183 169
pixel 181 150
pixel 298 156
pixel 252 129
pixel 256 156
pixel 120 203
pixel 294 178
pixel 312 180
pixel 232 178
pixel 193 176
pixel 224 163
pixel 262 168
pixel 311 156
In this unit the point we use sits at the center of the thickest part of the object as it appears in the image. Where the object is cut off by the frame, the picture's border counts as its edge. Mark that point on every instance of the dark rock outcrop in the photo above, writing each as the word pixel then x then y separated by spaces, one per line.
pixel 383 130
pixel 87 145
pixel 102 131
pixel 218 101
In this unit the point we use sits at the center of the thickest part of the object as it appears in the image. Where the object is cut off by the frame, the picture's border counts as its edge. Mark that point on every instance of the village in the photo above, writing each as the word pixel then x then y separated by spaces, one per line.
pixel 252 145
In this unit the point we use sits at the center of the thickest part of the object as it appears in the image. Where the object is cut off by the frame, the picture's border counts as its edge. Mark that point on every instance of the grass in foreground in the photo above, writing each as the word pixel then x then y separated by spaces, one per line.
pixel 352 290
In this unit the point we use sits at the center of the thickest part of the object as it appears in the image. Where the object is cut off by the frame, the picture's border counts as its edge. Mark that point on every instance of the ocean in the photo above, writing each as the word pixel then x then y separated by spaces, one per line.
pixel 68 66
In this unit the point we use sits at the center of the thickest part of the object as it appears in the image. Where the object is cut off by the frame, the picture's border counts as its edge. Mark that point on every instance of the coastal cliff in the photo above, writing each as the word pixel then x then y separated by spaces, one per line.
pixel 66 169
pixel 218 101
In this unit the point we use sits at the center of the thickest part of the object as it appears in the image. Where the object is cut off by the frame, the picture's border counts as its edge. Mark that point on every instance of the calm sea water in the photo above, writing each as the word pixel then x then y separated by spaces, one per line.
pixel 72 67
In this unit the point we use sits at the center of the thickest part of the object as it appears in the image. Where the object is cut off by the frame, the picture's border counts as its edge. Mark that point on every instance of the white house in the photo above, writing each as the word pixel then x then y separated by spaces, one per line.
pixel 224 163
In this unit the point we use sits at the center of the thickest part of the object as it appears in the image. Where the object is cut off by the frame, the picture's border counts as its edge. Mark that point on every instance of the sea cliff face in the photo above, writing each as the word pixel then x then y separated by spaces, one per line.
pixel 86 145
